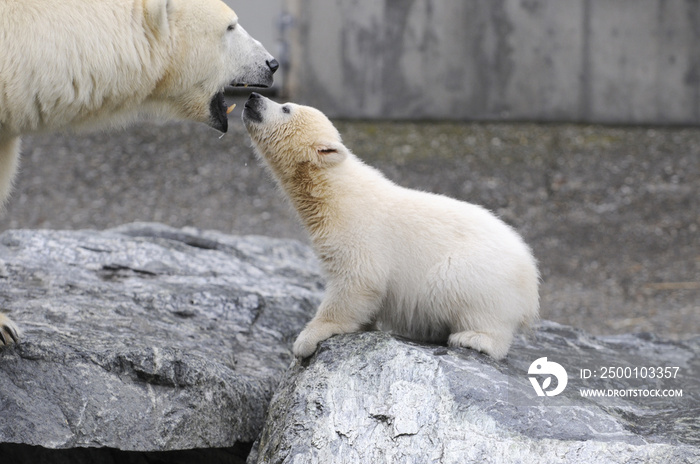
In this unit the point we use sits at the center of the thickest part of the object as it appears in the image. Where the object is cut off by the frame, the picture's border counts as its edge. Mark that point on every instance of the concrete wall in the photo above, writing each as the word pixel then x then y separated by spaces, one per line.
pixel 260 18
pixel 616 61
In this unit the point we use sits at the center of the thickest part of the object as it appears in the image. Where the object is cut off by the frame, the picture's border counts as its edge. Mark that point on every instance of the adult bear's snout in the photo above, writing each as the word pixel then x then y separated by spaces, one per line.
pixel 273 64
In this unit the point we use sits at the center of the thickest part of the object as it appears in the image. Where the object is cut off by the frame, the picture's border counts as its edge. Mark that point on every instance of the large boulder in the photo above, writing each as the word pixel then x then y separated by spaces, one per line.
pixel 146 338
pixel 143 341
pixel 375 398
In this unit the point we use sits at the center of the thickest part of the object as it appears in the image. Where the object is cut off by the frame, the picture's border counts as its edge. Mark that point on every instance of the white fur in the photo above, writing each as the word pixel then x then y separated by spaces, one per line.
pixel 87 64
pixel 97 63
pixel 424 266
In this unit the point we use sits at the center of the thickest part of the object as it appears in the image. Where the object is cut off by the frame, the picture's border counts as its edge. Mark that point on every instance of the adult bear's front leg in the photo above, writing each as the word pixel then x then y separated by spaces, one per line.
pixel 8 331
pixel 9 159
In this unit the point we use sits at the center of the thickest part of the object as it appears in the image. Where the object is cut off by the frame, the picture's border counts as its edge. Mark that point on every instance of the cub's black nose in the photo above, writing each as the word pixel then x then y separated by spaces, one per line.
pixel 254 108
pixel 273 64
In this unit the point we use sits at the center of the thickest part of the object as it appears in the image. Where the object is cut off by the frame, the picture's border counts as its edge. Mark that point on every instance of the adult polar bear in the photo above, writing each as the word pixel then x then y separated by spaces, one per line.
pixel 84 64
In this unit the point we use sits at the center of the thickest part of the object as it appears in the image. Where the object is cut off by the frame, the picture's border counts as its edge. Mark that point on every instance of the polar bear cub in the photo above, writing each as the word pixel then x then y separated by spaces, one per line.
pixel 421 265
pixel 82 64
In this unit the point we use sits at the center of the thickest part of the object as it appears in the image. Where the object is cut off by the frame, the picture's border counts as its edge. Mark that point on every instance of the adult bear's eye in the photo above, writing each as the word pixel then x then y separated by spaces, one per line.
pixel 286 109
pixel 231 27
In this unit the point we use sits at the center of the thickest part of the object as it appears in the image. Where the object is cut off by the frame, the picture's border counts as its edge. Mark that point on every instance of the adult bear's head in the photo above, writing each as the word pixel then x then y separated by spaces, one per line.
pixel 208 50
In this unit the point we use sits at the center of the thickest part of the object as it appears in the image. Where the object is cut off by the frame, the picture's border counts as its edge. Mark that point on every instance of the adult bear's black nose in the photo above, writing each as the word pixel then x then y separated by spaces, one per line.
pixel 273 64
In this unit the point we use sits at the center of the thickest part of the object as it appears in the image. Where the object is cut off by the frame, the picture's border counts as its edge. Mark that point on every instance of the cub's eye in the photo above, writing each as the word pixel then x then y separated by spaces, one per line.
pixel 286 109
pixel 231 27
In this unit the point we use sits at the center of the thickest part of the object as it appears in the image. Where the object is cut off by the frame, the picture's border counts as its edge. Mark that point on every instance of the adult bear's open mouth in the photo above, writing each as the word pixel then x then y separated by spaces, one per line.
pixel 218 117
pixel 262 77
pixel 260 86
pixel 218 112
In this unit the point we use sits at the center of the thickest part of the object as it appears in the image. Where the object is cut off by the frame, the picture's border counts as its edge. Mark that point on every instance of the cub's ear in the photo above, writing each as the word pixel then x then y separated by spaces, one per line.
pixel 157 15
pixel 331 153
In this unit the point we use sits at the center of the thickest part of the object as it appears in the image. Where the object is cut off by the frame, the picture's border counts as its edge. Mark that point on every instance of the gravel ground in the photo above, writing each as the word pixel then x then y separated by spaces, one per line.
pixel 612 213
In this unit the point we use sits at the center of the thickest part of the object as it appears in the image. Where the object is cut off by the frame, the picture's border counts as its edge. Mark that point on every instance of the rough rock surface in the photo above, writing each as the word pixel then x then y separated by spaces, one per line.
pixel 144 339
pixel 373 398
pixel 147 338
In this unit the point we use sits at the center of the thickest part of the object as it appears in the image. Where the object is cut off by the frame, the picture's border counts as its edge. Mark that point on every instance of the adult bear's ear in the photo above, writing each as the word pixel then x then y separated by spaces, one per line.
pixel 157 14
pixel 331 153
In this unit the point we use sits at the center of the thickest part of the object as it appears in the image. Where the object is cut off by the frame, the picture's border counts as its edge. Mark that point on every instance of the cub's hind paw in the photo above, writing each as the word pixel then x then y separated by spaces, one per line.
pixel 9 333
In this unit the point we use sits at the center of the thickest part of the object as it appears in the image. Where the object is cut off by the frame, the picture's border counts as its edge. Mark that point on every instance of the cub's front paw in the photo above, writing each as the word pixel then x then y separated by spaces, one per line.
pixel 305 345
pixel 9 333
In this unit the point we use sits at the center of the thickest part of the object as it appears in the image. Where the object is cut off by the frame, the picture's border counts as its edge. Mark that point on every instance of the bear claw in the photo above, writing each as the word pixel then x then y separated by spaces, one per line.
pixel 8 332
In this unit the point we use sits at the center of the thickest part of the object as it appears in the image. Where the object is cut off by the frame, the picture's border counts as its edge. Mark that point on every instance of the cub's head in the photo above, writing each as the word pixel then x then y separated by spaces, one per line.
pixel 209 50
pixel 292 137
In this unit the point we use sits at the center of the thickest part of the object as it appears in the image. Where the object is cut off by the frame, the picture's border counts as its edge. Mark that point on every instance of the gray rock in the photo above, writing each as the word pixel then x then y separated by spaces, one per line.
pixel 147 338
pixel 144 339
pixel 375 398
